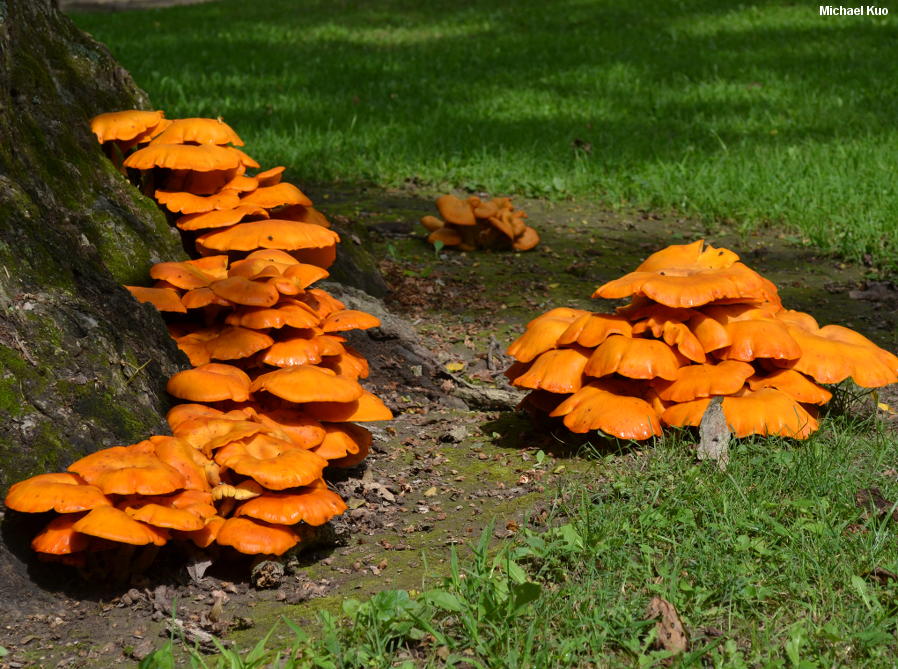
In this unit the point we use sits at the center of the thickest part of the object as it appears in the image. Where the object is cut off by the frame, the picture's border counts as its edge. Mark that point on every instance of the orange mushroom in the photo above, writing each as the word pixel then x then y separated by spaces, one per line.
pixel 212 382
pixel 313 504
pixel 63 493
pixel 602 406
pixel 199 131
pixel 256 537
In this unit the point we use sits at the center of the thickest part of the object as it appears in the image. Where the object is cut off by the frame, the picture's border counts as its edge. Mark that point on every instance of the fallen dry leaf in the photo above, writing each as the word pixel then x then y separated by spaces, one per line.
pixel 669 630
pixel 871 499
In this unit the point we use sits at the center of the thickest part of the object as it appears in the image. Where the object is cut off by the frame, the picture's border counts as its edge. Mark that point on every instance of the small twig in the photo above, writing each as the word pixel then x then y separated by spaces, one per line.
pixel 137 371
pixel 24 350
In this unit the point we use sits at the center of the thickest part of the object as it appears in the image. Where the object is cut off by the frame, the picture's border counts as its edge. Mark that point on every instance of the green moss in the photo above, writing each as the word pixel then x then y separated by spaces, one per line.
pixel 11 398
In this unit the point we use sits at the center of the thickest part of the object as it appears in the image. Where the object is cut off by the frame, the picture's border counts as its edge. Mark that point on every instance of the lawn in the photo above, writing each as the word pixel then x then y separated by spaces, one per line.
pixel 739 113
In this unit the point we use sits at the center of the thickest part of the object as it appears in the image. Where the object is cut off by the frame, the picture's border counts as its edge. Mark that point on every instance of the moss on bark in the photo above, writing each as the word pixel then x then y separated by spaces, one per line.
pixel 82 365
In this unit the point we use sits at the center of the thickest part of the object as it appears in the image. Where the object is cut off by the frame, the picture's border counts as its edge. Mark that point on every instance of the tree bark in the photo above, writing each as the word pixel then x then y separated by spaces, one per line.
pixel 82 365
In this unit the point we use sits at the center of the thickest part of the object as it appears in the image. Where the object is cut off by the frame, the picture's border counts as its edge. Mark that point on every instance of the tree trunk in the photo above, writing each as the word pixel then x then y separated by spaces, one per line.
pixel 82 365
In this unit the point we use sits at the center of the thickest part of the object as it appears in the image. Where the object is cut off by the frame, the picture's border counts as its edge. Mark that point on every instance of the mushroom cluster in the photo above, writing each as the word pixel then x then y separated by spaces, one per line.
pixel 273 394
pixel 699 324
pixel 474 223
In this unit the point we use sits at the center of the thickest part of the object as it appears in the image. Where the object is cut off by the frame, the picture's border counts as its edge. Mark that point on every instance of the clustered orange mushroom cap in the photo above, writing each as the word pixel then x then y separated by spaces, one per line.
pixel 273 384
pixel 475 223
pixel 699 324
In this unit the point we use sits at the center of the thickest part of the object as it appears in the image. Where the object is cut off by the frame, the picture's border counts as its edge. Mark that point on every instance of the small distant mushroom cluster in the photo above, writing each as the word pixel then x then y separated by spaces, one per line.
pixel 699 325
pixel 273 395
pixel 474 223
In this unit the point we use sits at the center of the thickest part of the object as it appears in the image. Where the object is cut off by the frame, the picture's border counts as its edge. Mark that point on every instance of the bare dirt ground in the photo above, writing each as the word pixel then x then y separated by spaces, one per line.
pixel 457 458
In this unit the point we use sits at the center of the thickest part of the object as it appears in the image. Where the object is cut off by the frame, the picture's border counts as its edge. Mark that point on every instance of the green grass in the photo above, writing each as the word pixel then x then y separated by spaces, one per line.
pixel 768 565
pixel 745 113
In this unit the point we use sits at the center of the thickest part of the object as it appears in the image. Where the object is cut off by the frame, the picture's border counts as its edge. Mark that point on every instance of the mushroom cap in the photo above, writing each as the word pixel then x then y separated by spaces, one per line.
pixel 181 455
pixel 235 343
pixel 768 412
pixel 270 177
pixel 689 287
pixel 193 345
pixel 240 290
pixel 107 522
pixel 454 210
pixel 181 413
pixel 797 318
pixel 62 493
pixel 753 339
pixel 432 223
pixel 349 364
pixel 209 433
pixel 272 462
pixel 558 371
pixel 349 319
pixel 307 383
pixel 292 313
pixel 543 333
pixel 590 330
pixel 128 470
pixel 686 414
pixel 167 517
pixel 188 203
pixel 711 334
pixel 202 158
pixel 707 380
pixel 212 382
pixel 206 536
pixel 351 459
pixel 256 537
pixel 342 439
pixel 526 240
pixel 366 408
pixel 600 405
pixel 446 235
pixel 279 194
pixel 124 125
pixel 199 131
pixel 242 157
pixel 830 360
pixel 186 274
pixel 164 299
pixel 695 255
pixel 322 302
pixel 849 336
pixel 59 538
pixel 795 384
pixel 300 428
pixel 313 504
pixel 323 257
pixel 269 234
pixel 293 351
pixel 219 218
pixel 633 358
